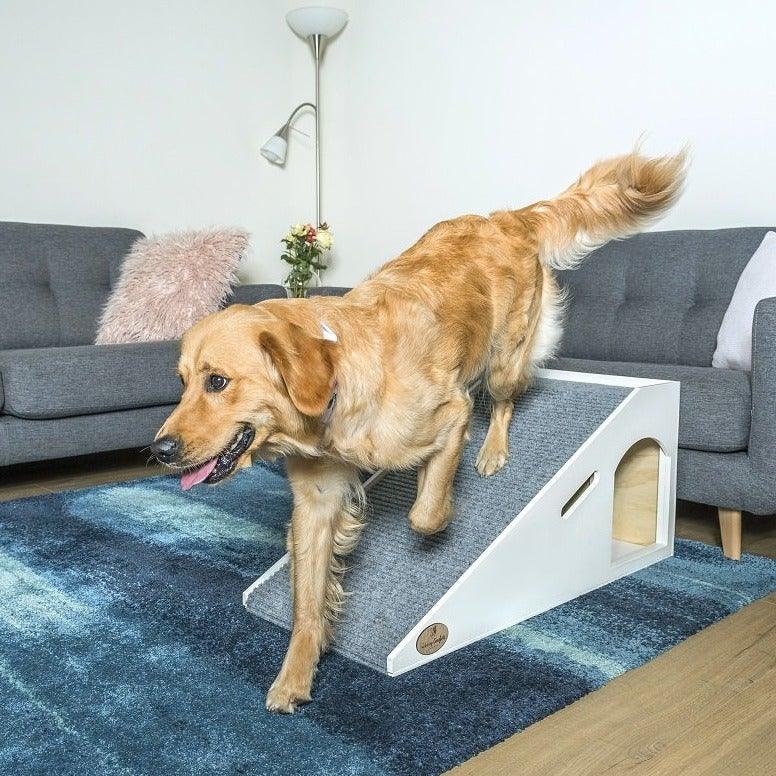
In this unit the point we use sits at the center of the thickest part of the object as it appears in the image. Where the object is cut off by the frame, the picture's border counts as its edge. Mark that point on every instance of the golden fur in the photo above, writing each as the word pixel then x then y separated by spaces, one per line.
pixel 475 296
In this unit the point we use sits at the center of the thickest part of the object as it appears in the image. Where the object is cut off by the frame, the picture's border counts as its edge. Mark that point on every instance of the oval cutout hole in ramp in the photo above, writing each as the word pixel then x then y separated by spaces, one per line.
pixel 578 494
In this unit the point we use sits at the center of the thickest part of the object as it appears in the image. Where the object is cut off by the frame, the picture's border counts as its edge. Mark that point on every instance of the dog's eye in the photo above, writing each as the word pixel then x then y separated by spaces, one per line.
pixel 217 383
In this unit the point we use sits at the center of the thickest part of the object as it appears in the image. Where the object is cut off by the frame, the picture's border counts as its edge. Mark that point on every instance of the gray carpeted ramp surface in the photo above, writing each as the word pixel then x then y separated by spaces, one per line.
pixel 396 575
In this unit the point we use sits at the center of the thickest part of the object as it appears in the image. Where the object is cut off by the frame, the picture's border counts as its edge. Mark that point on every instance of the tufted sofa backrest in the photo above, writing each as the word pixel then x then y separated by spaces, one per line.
pixel 54 281
pixel 658 297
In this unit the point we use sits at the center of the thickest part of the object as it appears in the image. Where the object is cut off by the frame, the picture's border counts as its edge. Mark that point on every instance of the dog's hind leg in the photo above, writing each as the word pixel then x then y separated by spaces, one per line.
pixel 530 339
pixel 509 373
pixel 325 524
pixel 433 507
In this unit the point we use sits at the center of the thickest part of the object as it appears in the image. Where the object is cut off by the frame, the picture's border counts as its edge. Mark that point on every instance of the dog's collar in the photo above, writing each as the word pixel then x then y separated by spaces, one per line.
pixel 329 411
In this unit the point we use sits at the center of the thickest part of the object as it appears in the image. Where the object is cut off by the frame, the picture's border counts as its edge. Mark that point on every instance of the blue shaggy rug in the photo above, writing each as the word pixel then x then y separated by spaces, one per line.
pixel 124 646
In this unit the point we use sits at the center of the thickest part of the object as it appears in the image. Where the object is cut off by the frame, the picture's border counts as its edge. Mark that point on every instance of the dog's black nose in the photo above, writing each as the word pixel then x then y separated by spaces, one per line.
pixel 166 449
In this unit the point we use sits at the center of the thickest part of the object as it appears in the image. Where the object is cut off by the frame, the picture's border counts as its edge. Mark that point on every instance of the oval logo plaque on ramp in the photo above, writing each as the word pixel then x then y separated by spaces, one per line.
pixel 432 638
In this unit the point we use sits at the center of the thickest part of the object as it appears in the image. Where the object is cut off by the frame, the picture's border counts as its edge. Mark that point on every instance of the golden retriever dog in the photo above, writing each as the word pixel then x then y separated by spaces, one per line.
pixel 380 378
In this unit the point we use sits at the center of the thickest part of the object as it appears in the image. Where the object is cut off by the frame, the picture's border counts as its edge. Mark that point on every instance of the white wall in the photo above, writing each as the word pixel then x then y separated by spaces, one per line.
pixel 150 114
pixel 146 114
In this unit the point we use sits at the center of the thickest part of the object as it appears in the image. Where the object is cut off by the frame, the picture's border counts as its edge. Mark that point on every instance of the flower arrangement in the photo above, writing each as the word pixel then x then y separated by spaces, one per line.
pixel 305 246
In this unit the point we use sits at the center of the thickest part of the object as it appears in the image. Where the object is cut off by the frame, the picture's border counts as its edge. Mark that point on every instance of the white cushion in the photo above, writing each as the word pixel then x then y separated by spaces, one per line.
pixel 757 281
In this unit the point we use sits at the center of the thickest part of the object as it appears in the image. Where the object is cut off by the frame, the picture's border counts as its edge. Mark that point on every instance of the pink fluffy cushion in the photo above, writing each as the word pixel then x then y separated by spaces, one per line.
pixel 168 283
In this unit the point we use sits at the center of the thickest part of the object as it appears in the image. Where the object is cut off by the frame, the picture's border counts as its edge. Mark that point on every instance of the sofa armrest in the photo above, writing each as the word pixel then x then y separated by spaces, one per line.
pixel 762 438
pixel 255 293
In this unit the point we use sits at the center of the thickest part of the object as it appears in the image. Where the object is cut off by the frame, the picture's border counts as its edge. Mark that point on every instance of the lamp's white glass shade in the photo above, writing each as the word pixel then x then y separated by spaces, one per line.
pixel 316 21
pixel 274 150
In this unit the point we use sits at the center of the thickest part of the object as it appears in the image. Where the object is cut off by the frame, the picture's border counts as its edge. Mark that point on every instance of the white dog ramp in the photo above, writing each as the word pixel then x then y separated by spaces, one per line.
pixel 587 496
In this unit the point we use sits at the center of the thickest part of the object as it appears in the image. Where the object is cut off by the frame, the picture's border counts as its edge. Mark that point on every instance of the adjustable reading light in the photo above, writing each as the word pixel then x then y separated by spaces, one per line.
pixel 274 150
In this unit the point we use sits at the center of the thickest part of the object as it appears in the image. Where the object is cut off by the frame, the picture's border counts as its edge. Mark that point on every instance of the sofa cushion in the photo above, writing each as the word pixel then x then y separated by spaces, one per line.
pixel 54 281
pixel 658 297
pixel 85 379
pixel 169 282
pixel 715 404
pixel 757 282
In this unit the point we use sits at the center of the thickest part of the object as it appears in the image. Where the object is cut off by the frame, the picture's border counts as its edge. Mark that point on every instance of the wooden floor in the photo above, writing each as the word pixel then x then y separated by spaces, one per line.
pixel 707 707
pixel 73 473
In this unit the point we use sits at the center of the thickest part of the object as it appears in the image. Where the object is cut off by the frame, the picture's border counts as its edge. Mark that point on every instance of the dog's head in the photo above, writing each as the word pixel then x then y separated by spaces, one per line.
pixel 251 379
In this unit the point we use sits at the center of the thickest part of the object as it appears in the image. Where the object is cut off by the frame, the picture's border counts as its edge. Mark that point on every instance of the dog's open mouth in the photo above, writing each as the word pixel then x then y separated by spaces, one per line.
pixel 220 467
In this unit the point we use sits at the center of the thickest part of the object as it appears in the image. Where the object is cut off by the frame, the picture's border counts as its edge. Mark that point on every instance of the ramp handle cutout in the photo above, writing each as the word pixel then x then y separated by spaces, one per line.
pixel 578 494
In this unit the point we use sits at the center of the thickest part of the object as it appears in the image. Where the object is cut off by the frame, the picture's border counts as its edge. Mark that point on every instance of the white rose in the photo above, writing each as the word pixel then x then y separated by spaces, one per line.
pixel 324 240
pixel 298 230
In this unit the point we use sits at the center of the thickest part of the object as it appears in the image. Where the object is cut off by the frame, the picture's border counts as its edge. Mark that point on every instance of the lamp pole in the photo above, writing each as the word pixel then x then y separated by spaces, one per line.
pixel 314 24
pixel 316 41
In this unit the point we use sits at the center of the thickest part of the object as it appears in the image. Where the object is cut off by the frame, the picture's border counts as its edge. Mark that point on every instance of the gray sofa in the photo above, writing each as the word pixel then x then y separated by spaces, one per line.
pixel 648 306
pixel 60 395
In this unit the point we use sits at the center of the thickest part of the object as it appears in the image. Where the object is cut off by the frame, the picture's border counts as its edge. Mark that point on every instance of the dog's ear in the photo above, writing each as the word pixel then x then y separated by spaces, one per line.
pixel 305 363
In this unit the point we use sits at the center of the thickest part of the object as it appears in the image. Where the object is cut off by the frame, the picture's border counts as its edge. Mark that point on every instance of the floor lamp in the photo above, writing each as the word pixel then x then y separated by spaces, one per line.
pixel 315 25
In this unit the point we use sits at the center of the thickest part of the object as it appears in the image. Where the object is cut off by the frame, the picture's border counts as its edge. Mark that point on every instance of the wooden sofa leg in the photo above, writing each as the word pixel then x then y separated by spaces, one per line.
pixel 730 526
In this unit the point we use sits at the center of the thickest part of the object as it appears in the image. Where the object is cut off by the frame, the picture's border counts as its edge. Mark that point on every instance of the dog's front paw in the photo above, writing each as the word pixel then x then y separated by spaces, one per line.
pixel 284 698
pixel 490 459
pixel 430 521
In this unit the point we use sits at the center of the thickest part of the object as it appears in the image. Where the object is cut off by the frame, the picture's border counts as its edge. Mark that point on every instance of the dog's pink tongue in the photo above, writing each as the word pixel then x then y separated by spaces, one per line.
pixel 190 479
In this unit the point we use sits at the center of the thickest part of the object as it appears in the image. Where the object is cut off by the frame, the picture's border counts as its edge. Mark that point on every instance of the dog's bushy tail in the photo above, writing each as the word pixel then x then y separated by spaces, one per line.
pixel 613 199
